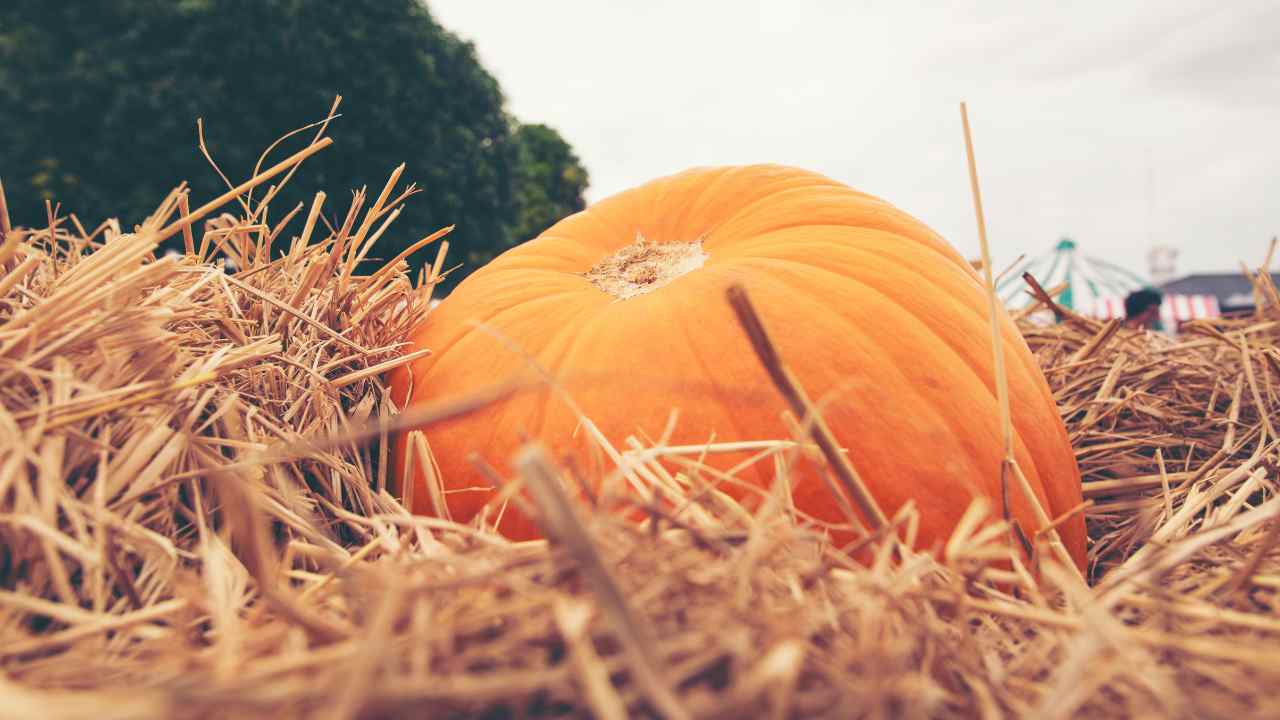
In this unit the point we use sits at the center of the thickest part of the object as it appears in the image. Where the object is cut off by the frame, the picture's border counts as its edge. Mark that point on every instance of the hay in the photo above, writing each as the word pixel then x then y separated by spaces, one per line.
pixel 195 522
pixel 1171 436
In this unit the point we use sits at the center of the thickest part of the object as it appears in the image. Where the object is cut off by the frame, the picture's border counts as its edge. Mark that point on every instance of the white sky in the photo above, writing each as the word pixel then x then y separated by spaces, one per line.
pixel 1115 123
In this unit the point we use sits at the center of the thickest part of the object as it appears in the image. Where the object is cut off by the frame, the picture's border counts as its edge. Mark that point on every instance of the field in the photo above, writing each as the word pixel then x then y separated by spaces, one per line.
pixel 196 520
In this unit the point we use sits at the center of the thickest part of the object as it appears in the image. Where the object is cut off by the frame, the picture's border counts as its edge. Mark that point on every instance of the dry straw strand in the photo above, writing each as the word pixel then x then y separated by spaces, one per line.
pixel 1010 463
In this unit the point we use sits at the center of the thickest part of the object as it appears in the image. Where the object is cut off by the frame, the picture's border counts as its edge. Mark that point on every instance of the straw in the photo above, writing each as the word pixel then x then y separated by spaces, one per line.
pixel 195 521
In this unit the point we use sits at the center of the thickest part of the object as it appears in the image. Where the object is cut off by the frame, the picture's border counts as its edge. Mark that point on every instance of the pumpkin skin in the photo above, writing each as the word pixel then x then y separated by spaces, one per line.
pixel 877 316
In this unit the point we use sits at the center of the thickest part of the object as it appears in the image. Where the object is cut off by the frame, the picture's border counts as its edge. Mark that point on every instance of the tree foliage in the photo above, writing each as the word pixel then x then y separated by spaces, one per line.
pixel 549 185
pixel 98 102
pixel 550 180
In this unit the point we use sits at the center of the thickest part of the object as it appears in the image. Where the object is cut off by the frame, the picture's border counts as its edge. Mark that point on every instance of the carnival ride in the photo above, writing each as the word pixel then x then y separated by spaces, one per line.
pixel 1085 279
pixel 1093 287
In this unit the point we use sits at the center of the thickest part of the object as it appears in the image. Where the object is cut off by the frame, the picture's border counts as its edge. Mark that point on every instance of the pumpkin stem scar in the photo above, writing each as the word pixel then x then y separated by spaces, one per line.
pixel 644 266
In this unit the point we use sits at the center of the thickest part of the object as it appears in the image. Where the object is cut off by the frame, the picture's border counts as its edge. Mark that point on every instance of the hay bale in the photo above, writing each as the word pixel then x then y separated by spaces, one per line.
pixel 194 522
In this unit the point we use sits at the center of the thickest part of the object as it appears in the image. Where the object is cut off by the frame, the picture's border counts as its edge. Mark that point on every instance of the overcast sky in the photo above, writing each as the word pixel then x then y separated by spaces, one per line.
pixel 1118 124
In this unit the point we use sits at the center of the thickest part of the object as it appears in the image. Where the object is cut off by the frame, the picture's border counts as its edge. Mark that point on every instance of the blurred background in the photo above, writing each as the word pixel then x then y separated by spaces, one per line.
pixel 1119 144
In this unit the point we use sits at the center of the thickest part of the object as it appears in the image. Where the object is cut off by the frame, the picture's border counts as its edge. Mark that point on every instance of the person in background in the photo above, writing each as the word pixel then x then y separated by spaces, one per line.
pixel 1142 309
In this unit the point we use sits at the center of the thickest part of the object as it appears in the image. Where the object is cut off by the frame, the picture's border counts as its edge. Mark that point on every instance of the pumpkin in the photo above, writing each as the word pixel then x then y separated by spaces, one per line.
pixel 624 305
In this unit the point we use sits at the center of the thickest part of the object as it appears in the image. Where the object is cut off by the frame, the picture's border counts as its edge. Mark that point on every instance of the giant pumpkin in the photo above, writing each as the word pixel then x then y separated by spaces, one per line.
pixel 624 304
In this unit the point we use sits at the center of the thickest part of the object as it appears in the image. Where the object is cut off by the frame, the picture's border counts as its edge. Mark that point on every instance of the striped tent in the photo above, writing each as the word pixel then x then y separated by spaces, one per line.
pixel 1174 310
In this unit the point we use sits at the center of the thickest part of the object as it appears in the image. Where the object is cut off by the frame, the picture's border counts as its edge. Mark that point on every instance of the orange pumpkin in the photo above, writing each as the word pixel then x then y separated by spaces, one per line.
pixel 876 315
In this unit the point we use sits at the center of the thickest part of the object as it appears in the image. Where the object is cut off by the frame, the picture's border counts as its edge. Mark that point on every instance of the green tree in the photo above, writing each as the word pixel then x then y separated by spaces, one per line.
pixel 98 102
pixel 550 180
